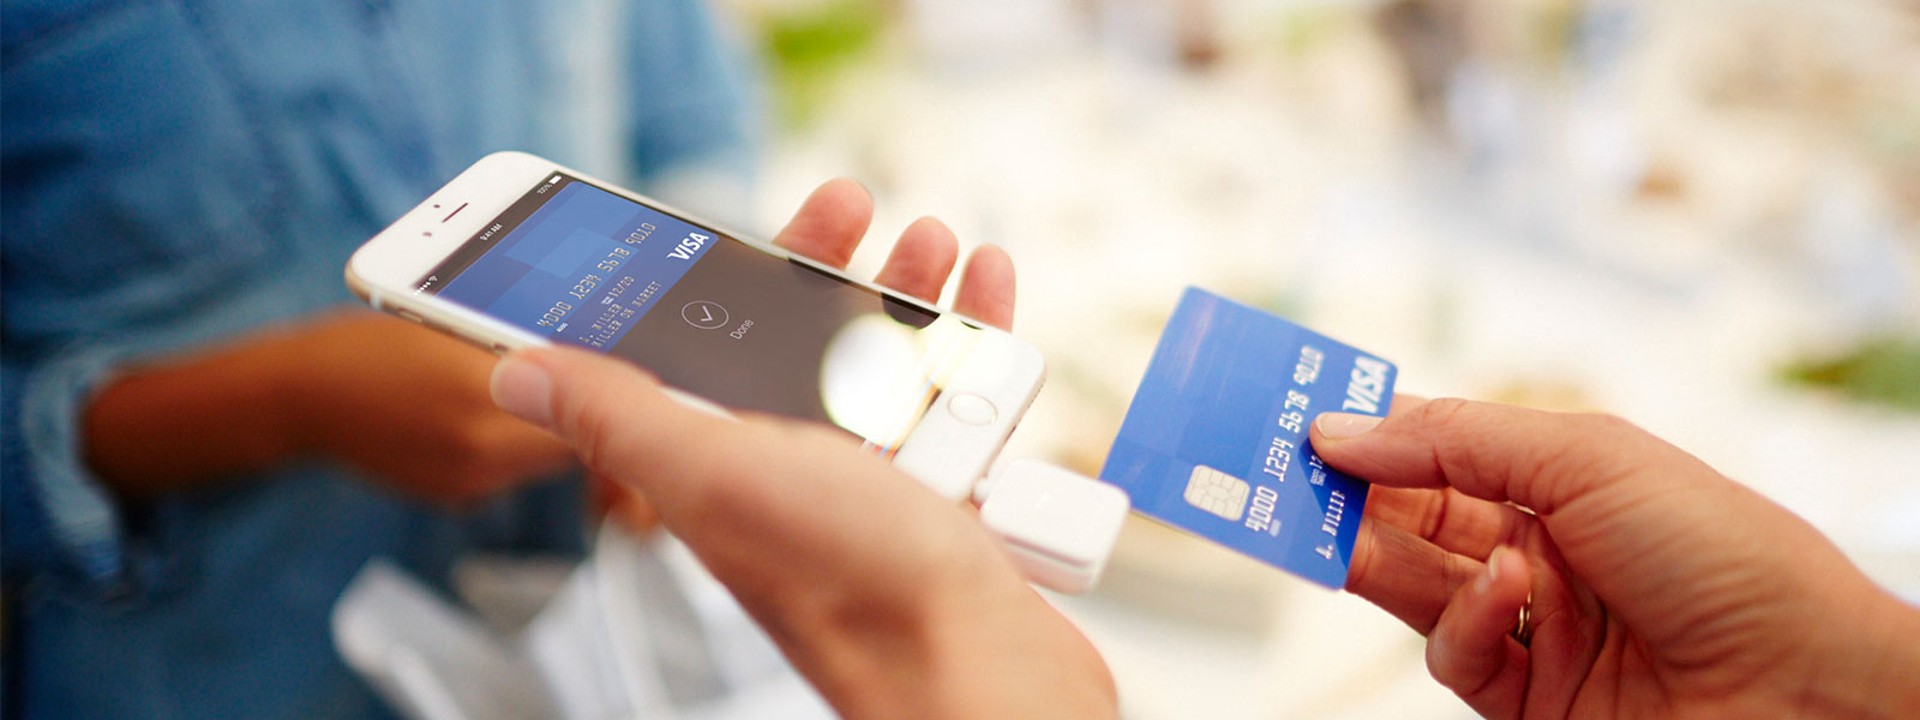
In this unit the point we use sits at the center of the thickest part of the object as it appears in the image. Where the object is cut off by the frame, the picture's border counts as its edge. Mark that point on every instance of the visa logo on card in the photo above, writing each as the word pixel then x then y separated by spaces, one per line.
pixel 1215 441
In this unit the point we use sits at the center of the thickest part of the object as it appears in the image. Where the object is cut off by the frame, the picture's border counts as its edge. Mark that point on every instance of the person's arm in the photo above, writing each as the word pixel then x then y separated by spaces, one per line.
pixel 406 405
pixel 168 427
pixel 1657 585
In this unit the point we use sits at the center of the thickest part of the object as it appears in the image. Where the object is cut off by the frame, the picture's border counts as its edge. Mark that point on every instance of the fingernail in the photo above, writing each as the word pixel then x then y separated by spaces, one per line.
pixel 524 390
pixel 1336 425
pixel 1485 581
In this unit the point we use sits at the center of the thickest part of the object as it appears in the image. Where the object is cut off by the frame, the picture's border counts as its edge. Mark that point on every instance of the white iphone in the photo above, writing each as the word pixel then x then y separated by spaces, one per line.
pixel 518 251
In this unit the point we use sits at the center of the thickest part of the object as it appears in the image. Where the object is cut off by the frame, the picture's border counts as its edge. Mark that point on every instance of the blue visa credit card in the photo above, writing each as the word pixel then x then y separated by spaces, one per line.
pixel 1216 443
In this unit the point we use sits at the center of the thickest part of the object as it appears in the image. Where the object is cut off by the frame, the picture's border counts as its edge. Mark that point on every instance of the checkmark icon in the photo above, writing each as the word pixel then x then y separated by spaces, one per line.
pixel 704 314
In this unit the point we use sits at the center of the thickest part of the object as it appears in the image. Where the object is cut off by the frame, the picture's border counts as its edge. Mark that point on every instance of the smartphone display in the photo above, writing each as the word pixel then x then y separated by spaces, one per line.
pixel 576 264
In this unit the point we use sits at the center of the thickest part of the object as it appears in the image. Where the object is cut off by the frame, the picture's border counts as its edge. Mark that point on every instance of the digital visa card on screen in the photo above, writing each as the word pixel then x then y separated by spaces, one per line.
pixel 1215 441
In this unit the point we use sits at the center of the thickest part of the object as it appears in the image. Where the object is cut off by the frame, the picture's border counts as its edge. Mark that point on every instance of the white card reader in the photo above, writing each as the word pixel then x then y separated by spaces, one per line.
pixel 1059 527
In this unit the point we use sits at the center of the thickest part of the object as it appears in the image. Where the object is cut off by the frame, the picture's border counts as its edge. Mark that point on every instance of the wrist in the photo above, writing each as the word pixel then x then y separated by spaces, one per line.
pixel 867 662
pixel 1011 654
pixel 186 423
pixel 1894 693
pixel 1870 669
pixel 983 649
pixel 287 399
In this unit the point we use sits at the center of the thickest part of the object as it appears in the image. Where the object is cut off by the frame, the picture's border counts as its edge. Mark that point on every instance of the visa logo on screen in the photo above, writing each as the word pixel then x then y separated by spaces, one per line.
pixel 689 246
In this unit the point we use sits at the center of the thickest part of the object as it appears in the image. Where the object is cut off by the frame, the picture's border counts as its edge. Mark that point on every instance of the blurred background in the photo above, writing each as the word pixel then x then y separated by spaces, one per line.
pixel 1703 215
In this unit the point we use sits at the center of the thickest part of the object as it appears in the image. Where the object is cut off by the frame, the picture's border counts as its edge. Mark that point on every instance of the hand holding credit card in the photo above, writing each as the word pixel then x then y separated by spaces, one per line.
pixel 1215 442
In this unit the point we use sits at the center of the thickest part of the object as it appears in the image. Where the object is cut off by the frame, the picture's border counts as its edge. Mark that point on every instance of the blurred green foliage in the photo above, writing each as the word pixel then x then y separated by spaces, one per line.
pixel 810 45
pixel 1884 371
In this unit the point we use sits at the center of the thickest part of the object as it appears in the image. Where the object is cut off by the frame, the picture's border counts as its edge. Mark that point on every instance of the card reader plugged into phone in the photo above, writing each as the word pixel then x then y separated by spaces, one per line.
pixel 1059 527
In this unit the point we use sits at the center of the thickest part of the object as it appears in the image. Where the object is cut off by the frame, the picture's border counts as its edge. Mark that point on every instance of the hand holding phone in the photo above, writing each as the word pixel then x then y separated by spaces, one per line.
pixel 890 600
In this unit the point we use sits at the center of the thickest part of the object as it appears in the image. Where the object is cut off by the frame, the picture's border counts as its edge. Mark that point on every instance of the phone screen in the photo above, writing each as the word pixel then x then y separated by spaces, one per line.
pixel 579 265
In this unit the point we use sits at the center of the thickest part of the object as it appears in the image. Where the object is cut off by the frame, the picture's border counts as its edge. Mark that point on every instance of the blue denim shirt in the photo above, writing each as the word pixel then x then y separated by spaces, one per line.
pixel 177 173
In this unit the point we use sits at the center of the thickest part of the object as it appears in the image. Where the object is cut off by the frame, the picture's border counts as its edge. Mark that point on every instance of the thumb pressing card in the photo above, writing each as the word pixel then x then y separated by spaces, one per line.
pixel 1215 441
